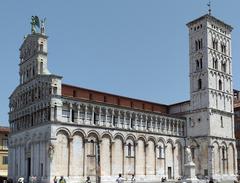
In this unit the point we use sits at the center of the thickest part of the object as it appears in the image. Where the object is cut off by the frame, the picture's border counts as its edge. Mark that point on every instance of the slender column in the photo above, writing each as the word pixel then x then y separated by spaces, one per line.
pixel 100 116
pixel 130 121
pixel 85 115
pixel 177 130
pixel 168 126
pixel 84 157
pixel 51 113
pixel 150 123
pixel 141 122
pixel 112 112
pixel 164 125
pixel 173 161
pixel 124 120
pixel 78 113
pixel 106 111
pixel 70 156
pixel 70 115
pixel 118 123
pixel 165 164
pixel 136 122
pixel 92 117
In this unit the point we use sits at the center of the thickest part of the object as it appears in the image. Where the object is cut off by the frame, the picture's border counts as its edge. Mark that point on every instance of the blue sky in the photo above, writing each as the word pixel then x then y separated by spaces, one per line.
pixel 135 48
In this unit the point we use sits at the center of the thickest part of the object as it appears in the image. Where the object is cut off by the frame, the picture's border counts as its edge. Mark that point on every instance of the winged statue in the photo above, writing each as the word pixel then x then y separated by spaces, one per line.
pixel 35 23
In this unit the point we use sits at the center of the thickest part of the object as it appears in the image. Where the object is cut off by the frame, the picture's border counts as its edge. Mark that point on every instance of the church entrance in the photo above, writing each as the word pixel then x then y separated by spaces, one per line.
pixel 28 167
pixel 169 173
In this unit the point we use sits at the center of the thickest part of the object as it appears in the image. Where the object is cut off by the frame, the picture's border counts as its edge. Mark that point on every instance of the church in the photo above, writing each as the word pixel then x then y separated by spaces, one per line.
pixel 63 130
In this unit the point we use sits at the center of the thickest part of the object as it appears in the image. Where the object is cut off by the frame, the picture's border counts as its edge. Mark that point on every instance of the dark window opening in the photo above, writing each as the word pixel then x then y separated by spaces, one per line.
pixel 129 149
pixel 220 84
pixel 41 47
pixel 73 116
pixel 199 84
pixel 221 121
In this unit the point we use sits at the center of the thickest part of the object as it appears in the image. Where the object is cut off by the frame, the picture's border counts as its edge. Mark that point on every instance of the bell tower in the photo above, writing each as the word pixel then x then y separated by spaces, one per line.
pixel 210 123
pixel 211 89
pixel 33 53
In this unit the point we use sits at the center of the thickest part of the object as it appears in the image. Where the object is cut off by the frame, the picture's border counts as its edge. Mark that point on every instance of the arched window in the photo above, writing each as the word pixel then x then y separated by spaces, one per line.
pixel 199 84
pixel 215 63
pixel 91 148
pixel 201 64
pixel 215 44
pixel 220 84
pixel 223 153
pixel 129 149
pixel 41 47
pixel 41 67
pixel 221 121
pixel 161 152
pixel 224 67
pixel 197 64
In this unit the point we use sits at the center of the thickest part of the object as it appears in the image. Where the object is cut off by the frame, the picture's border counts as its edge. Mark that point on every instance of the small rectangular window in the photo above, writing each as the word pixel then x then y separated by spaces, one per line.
pixel 5 160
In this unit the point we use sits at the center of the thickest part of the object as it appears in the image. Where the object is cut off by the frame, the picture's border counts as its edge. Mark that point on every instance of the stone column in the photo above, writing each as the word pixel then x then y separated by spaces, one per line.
pixel 70 150
pixel 124 120
pixel 210 160
pixel 70 115
pixel 92 117
pixel 112 116
pixel 173 173
pixel 51 114
pixel 165 125
pixel 151 124
pixel 118 123
pixel 177 130
pixel 100 116
pixel 141 122
pixel 78 113
pixel 106 113
pixel 226 161
pixel 85 115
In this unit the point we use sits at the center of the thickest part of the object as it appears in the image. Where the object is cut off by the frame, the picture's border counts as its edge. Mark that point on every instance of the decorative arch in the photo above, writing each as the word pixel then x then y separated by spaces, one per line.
pixel 93 133
pixel 132 137
pixel 107 134
pixel 119 135
pixel 143 138
pixel 170 141
pixel 63 129
pixel 79 132
pixel 151 138
pixel 161 139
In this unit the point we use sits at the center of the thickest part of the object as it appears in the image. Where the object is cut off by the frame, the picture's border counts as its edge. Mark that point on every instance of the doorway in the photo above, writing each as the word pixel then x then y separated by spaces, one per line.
pixel 169 172
pixel 28 167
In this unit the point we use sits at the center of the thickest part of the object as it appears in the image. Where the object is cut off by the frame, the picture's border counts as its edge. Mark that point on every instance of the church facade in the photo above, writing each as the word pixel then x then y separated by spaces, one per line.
pixel 63 130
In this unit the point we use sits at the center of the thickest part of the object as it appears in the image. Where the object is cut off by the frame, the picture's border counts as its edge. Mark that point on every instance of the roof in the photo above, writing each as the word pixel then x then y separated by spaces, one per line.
pixel 4 129
pixel 210 17
pixel 103 97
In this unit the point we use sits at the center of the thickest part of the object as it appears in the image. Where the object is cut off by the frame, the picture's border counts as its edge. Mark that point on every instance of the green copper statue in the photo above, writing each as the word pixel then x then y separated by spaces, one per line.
pixel 35 23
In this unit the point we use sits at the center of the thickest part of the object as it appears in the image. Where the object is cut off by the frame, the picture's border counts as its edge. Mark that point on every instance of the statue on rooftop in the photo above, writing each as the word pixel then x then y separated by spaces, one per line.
pixel 34 24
